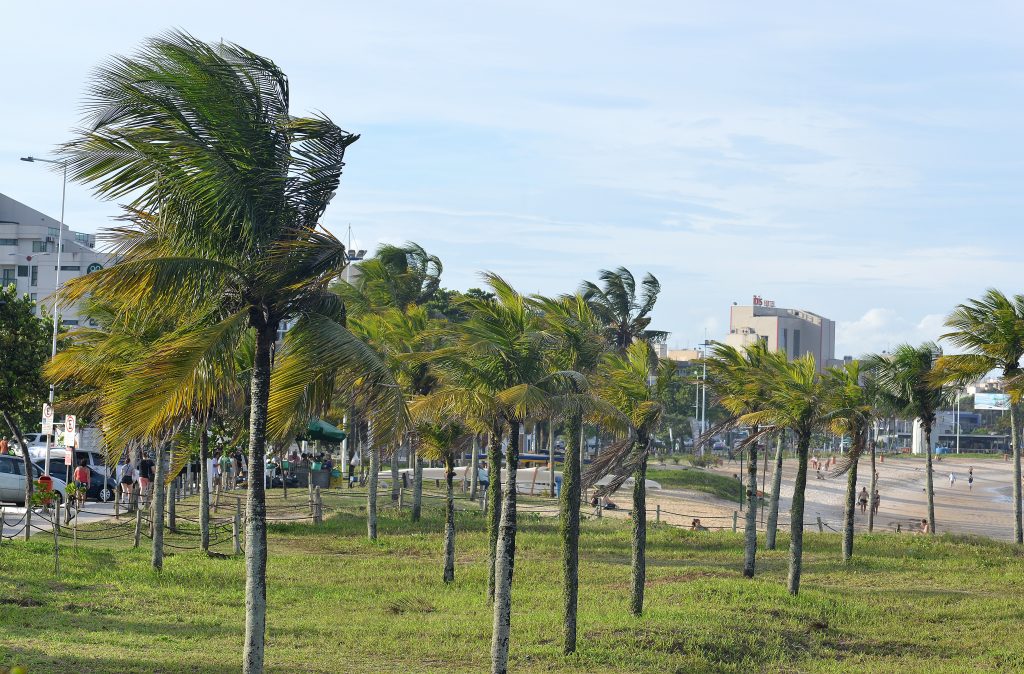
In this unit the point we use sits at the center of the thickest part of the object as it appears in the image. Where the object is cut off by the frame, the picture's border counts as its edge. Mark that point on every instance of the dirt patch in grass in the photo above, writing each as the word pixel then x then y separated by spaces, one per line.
pixel 24 602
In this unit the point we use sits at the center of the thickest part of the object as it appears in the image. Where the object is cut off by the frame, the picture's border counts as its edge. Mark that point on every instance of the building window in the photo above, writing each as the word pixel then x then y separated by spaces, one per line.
pixel 38 246
pixel 23 270
pixel 70 267
pixel 70 322
pixel 8 242
pixel 53 231
pixel 32 296
pixel 796 343
pixel 7 277
pixel 35 276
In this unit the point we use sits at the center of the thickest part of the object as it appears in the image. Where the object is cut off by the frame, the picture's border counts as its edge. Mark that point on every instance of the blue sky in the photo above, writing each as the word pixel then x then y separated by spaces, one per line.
pixel 862 161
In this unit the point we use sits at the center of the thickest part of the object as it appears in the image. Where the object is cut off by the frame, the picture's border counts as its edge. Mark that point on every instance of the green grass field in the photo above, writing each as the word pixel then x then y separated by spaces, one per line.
pixel 697 479
pixel 338 603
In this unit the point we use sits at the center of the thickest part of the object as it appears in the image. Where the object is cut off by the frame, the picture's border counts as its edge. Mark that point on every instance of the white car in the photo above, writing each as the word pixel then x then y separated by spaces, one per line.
pixel 35 441
pixel 12 480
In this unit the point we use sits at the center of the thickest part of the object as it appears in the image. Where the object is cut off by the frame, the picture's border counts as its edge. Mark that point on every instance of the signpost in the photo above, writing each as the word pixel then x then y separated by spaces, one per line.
pixel 69 440
pixel 48 432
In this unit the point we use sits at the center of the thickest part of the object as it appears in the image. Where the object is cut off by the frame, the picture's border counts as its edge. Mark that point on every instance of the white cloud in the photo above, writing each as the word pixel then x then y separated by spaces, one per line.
pixel 882 329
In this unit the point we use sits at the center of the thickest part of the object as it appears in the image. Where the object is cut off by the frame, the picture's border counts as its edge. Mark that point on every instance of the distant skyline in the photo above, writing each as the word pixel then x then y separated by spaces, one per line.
pixel 859 161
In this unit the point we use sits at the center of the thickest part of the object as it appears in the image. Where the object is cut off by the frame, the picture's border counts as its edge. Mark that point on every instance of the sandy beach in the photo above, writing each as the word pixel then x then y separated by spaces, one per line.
pixel 984 509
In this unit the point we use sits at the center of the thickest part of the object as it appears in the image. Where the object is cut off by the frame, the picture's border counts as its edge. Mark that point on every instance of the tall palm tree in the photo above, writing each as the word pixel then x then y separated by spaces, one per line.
pixel 853 414
pixel 907 375
pixel 578 346
pixel 736 382
pixel 496 370
pixel 628 383
pixel 772 524
pixel 201 134
pixel 991 331
pixel 626 317
pixel 796 398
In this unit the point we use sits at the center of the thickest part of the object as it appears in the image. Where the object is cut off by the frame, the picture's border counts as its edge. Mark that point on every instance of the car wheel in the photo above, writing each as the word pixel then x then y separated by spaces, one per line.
pixel 106 495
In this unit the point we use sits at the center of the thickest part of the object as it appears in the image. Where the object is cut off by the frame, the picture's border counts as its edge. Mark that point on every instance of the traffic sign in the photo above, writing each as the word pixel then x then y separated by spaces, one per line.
pixel 68 456
pixel 47 413
pixel 69 424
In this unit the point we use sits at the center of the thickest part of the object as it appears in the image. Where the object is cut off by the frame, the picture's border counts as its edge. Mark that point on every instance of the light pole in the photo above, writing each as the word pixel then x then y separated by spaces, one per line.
pixel 56 286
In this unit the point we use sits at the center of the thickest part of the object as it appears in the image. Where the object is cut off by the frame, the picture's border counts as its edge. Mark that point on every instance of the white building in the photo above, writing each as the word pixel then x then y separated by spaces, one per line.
pixel 28 255
pixel 795 332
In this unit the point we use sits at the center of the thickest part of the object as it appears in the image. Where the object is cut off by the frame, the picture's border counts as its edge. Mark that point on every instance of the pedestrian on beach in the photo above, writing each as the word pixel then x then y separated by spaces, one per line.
pixel 863 500
pixel 924 527
pixel 876 501
pixel 952 479
pixel 147 470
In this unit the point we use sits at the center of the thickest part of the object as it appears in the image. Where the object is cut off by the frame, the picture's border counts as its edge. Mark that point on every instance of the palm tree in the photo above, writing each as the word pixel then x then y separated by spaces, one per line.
pixel 496 371
pixel 852 413
pixel 400 278
pixel 991 331
pixel 908 377
pixel 625 316
pixel 231 188
pixel 579 347
pixel 734 378
pixel 796 398
pixel 627 382
pixel 772 524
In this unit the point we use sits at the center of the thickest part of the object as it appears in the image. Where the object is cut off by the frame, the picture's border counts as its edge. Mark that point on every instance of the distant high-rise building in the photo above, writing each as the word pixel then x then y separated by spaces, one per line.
pixel 793 331
pixel 28 255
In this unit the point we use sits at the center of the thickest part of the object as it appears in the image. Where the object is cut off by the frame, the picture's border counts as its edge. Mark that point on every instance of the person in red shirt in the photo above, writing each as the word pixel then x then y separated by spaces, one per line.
pixel 81 478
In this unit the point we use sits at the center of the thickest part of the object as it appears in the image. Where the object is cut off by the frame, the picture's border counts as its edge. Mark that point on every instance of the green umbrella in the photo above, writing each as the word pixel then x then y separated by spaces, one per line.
pixel 323 431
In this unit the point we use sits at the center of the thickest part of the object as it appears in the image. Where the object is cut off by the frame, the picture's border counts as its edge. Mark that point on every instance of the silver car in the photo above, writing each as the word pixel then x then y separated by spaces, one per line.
pixel 12 480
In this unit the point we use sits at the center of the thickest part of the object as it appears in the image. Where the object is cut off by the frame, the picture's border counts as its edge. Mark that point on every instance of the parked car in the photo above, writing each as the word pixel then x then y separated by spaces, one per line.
pixel 101 488
pixel 12 480
pixel 35 441
pixel 96 461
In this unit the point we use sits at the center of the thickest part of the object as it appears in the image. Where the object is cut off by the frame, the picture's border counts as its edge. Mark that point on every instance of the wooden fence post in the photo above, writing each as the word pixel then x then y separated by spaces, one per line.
pixel 236 530
pixel 735 518
pixel 821 526
pixel 318 507
pixel 657 513
pixel 401 498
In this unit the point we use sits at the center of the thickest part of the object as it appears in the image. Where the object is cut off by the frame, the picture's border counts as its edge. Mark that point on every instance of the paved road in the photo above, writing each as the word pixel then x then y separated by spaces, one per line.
pixel 95 512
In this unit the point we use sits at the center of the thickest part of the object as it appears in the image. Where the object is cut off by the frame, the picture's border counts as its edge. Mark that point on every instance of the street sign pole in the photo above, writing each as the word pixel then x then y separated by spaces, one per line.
pixel 48 430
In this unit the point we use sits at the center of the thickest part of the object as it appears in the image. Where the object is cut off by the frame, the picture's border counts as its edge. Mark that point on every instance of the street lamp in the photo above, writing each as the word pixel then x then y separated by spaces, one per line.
pixel 56 288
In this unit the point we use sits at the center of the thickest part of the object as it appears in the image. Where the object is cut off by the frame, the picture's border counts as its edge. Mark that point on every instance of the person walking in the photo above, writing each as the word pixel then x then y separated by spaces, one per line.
pixel 225 471
pixel 952 479
pixel 147 472
pixel 876 501
pixel 863 499
pixel 81 478
pixel 127 481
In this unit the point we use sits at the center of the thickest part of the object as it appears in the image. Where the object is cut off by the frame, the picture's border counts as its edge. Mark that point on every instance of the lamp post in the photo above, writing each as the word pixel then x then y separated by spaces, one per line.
pixel 56 287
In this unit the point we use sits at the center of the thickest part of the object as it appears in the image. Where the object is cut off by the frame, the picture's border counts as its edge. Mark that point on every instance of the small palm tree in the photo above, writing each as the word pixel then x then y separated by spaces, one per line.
pixel 625 316
pixel 796 398
pixel 229 188
pixel 627 382
pixel 852 413
pixel 578 346
pixel 907 376
pixel 991 331
pixel 736 381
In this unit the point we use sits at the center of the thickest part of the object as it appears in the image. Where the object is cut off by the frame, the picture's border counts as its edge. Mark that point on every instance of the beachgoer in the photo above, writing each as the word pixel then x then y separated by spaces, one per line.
pixel 225 471
pixel 970 483
pixel 147 470
pixel 81 477
pixel 695 525
pixel 875 502
pixel 863 500
pixel 818 472
pixel 952 479
pixel 607 503
pixel 127 481
pixel 924 527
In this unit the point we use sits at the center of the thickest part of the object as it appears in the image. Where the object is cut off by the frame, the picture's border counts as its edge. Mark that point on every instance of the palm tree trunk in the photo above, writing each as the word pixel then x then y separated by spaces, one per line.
pixel 929 478
pixel 474 460
pixel 417 487
pixel 639 515
pixel 394 476
pixel 1018 522
pixel 850 510
pixel 204 487
pixel 551 456
pixel 773 507
pixel 449 518
pixel 796 514
pixel 256 506
pixel 750 529
pixel 570 525
pixel 371 485
pixel 159 506
pixel 493 502
pixel 505 559
pixel 29 485
pixel 874 486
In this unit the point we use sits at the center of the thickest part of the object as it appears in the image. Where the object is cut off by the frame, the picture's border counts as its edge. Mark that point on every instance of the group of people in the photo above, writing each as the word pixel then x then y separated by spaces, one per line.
pixel 229 468
pixel 970 478
pixel 129 474
pixel 876 500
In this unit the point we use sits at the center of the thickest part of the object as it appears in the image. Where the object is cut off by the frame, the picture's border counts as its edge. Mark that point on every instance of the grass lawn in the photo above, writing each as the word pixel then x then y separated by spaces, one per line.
pixel 338 603
pixel 697 479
